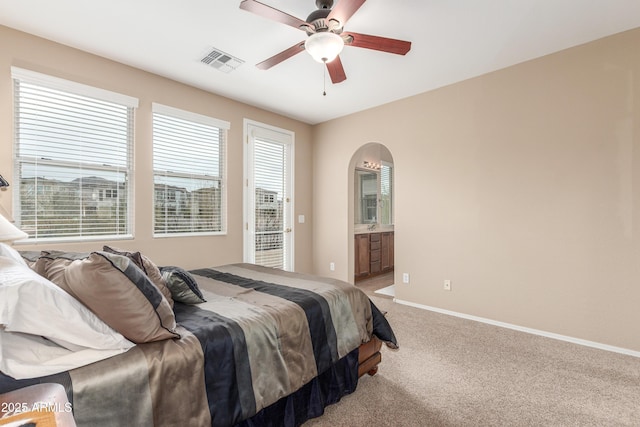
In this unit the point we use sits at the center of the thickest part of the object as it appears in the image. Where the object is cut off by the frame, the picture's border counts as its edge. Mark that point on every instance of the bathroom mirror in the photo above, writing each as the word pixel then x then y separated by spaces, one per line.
pixel 373 188
pixel 366 197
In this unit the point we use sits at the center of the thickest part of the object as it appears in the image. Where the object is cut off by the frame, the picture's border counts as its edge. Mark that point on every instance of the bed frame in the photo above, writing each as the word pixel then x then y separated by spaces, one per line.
pixel 369 357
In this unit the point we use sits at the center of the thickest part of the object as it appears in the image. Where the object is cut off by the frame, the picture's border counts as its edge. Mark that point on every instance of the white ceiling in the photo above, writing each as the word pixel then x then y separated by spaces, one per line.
pixel 452 40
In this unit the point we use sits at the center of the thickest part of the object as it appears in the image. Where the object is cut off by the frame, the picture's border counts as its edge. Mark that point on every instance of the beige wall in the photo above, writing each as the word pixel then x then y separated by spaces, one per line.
pixel 521 186
pixel 25 51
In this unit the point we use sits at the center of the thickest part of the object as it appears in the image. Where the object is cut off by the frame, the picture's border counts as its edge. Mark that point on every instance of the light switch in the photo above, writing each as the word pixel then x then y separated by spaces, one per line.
pixel 300 219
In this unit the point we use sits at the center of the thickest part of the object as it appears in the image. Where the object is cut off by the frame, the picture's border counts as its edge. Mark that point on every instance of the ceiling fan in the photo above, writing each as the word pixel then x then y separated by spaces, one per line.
pixel 326 35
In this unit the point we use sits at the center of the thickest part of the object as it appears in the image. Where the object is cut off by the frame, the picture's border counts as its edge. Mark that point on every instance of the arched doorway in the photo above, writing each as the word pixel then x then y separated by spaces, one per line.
pixel 371 218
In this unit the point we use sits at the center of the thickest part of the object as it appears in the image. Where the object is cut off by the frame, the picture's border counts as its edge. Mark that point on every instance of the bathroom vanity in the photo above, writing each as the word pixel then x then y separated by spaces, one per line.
pixel 373 254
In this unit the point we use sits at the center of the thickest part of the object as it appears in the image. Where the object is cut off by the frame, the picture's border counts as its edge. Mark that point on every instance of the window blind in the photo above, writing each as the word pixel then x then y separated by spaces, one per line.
pixel 270 176
pixel 73 157
pixel 188 164
pixel 386 193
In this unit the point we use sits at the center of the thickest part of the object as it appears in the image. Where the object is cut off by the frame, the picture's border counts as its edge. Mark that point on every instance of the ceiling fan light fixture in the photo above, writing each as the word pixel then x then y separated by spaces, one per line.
pixel 324 46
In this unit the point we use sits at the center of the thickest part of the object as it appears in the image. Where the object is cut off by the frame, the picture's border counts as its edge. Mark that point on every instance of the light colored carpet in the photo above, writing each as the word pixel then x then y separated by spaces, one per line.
pixel 456 372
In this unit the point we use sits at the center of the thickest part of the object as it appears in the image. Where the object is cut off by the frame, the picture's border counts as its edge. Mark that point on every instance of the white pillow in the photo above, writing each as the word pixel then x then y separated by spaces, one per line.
pixel 8 252
pixel 30 356
pixel 31 304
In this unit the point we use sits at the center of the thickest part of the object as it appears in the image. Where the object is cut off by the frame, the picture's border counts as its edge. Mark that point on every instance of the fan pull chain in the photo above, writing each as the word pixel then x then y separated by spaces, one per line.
pixel 324 80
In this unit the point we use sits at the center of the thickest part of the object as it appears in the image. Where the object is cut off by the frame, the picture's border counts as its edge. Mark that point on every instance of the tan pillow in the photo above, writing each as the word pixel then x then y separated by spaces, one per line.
pixel 52 265
pixel 54 271
pixel 119 292
pixel 35 261
pixel 30 257
pixel 149 267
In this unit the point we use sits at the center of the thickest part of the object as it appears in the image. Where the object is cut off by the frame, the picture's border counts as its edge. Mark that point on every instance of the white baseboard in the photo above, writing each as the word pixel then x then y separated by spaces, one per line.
pixel 573 340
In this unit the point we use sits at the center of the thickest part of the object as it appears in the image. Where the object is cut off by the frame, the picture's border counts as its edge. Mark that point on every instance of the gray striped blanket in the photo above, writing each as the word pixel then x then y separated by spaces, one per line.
pixel 263 336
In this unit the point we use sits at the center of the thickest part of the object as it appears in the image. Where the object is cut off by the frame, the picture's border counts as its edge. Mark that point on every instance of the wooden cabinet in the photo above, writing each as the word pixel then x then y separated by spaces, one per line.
pixel 361 256
pixel 386 254
pixel 373 254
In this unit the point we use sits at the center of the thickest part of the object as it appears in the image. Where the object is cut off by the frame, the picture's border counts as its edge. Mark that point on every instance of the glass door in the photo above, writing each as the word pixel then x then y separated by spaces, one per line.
pixel 268 203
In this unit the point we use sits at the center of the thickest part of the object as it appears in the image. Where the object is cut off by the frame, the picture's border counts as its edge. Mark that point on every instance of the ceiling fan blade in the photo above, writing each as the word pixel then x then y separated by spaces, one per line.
pixel 336 70
pixel 399 47
pixel 272 13
pixel 278 58
pixel 345 10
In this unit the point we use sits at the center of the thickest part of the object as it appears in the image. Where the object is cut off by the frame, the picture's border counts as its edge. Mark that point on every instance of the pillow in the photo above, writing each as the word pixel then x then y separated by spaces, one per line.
pixel 30 257
pixel 64 254
pixel 114 288
pixel 31 304
pixel 52 265
pixel 34 260
pixel 8 252
pixel 182 285
pixel 150 269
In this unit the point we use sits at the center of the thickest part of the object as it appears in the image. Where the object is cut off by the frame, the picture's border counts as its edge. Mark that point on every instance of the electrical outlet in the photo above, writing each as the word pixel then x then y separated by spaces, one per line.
pixel 405 277
pixel 447 285
pixel 332 266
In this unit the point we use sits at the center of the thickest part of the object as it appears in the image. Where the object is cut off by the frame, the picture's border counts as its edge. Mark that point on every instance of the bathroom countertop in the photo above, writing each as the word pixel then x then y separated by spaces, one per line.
pixel 362 229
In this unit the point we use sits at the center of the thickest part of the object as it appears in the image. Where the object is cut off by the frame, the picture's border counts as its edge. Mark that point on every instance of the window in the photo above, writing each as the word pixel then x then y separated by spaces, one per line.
pixel 188 172
pixel 386 194
pixel 73 156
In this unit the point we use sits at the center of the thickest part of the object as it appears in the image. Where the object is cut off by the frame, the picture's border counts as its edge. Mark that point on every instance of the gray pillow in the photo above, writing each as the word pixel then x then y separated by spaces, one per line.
pixel 182 285
pixel 149 267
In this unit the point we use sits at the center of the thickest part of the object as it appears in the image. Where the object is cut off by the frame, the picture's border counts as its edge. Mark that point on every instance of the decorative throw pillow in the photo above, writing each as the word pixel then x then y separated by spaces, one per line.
pixel 119 292
pixel 149 267
pixel 64 254
pixel 183 286
pixel 32 258
pixel 52 265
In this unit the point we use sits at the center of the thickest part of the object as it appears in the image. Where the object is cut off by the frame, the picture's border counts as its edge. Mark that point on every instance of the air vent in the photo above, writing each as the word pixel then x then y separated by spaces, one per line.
pixel 221 61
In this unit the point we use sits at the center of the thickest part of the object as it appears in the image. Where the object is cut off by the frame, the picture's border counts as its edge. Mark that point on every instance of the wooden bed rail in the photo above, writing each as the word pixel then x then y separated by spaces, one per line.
pixel 369 357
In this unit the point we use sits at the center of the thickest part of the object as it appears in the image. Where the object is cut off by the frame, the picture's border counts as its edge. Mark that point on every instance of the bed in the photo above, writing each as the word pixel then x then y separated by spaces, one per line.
pixel 247 345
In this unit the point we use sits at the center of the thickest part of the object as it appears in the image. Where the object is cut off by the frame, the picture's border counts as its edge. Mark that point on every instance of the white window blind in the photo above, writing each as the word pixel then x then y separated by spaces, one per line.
pixel 270 180
pixel 386 194
pixel 188 164
pixel 73 157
